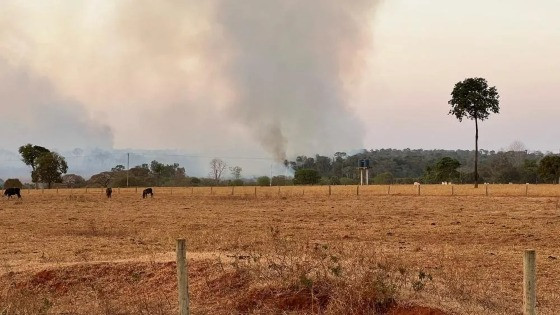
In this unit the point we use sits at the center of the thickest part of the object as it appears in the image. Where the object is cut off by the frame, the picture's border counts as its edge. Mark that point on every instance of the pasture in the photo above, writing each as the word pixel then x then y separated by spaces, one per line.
pixel 293 249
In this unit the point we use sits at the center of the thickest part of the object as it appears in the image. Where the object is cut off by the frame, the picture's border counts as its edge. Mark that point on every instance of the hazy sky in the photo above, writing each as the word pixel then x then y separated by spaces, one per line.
pixel 270 77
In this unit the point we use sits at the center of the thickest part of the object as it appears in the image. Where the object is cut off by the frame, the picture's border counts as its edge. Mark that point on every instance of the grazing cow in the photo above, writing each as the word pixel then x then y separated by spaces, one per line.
pixel 109 192
pixel 146 192
pixel 9 192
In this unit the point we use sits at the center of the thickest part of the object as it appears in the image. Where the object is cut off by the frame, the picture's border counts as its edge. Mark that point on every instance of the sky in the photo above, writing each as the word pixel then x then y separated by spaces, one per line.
pixel 274 79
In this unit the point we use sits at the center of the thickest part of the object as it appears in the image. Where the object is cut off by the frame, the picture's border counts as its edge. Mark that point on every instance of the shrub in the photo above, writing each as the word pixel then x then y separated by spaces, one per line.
pixel 13 183
pixel 306 177
pixel 263 181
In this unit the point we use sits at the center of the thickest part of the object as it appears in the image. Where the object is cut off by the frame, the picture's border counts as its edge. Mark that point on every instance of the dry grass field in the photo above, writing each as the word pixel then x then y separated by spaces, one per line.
pixel 288 250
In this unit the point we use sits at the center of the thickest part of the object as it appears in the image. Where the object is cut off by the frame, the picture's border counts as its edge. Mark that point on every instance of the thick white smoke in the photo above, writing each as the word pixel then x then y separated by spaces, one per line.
pixel 199 75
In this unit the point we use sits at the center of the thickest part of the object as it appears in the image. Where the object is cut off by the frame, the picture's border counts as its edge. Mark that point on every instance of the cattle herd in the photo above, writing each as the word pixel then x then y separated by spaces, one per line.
pixel 9 192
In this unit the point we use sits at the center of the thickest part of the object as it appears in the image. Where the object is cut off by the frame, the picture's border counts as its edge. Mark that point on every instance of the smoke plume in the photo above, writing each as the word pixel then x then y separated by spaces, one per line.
pixel 290 64
pixel 204 76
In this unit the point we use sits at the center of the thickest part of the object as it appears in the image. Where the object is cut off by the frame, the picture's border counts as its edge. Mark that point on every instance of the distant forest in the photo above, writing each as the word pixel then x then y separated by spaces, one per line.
pixel 408 166
pixel 388 166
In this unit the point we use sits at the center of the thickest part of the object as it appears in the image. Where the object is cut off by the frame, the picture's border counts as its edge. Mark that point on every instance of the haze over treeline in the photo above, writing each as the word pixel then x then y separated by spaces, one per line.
pixel 513 164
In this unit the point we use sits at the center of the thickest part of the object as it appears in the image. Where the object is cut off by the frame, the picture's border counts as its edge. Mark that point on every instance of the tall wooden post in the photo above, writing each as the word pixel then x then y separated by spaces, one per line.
pixel 418 190
pixel 452 190
pixel 357 190
pixel 255 191
pixel 232 188
pixel 529 282
pixel 527 190
pixel 329 190
pixel 389 190
pixel 486 187
pixel 182 277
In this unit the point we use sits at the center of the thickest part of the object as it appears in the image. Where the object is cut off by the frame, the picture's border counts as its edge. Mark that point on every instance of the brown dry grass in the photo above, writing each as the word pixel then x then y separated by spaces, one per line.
pixel 301 251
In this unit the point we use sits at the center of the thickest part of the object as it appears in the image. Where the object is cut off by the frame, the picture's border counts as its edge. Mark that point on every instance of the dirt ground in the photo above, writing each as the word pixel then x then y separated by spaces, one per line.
pixel 80 253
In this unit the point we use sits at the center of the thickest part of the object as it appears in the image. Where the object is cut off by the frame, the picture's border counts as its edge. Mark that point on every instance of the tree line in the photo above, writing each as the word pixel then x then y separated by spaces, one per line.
pixel 392 166
pixel 387 166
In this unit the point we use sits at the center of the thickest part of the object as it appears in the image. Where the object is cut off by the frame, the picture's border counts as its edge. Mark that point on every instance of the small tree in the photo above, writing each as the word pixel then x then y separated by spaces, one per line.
pixel 474 99
pixel 263 181
pixel 73 180
pixel 236 172
pixel 549 168
pixel 306 177
pixel 29 155
pixel 12 183
pixel 444 170
pixel 50 167
pixel 118 168
pixel 217 167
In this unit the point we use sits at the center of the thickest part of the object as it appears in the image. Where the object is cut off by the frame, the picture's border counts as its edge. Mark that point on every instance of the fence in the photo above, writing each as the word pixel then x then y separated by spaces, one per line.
pixel 495 190
pixel 529 280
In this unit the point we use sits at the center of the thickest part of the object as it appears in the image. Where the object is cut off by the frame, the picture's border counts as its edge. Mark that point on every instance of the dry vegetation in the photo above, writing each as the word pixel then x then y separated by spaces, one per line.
pixel 297 251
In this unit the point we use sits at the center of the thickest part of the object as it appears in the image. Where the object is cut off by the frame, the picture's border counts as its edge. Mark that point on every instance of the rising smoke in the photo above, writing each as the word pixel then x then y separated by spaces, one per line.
pixel 196 75
pixel 291 62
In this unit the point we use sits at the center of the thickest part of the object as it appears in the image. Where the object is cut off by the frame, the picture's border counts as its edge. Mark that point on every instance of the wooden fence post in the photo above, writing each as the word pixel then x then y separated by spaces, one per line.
pixel 389 190
pixel 136 190
pixel 232 187
pixel 255 191
pixel 486 187
pixel 329 190
pixel 529 282
pixel 192 190
pixel 418 190
pixel 211 191
pixel 182 277
pixel 278 190
pixel 357 190
pixel 452 192
pixel 527 190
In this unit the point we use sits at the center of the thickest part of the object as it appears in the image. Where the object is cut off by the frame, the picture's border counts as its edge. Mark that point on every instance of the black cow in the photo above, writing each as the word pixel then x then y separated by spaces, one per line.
pixel 9 192
pixel 108 192
pixel 146 192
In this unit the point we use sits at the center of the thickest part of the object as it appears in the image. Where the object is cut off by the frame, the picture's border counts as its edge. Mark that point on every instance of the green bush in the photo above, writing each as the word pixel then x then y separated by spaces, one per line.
pixel 12 183
pixel 263 181
pixel 306 177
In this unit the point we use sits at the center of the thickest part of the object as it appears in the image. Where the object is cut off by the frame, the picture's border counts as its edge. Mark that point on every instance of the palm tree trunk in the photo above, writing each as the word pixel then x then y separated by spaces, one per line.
pixel 476 154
